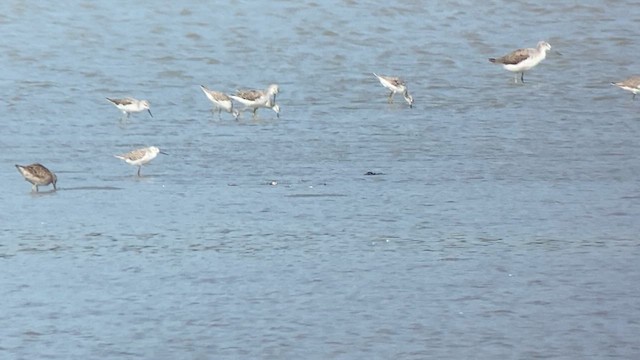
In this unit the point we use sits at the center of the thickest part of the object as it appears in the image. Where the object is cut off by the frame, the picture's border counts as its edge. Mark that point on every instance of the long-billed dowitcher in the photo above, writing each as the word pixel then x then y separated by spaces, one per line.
pixel 37 175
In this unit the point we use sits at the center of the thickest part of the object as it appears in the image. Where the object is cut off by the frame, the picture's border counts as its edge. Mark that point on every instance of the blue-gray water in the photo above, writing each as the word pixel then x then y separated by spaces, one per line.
pixel 504 225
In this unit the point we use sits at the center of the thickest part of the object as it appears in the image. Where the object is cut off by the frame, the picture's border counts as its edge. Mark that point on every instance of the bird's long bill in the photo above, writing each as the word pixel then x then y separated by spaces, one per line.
pixel 150 112
pixel 163 153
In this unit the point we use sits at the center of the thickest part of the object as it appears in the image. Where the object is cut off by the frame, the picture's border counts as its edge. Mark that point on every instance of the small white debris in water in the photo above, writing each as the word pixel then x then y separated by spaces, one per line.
pixel 273 183
pixel 310 186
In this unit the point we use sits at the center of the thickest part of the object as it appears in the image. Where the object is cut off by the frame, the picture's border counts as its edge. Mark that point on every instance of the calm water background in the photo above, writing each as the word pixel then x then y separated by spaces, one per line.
pixel 505 224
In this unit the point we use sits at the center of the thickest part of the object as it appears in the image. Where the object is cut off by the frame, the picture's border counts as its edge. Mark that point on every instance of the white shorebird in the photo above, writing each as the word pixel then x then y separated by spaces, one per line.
pixel 396 85
pixel 631 84
pixel 140 157
pixel 521 60
pixel 221 101
pixel 254 99
pixel 129 105
pixel 37 175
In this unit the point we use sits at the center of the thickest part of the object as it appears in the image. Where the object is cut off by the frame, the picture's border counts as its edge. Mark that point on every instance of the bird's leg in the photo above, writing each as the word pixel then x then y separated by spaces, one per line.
pixel 254 112
pixel 390 100
pixel 219 111
pixel 634 96
pixel 139 168
pixel 34 187
pixel 522 77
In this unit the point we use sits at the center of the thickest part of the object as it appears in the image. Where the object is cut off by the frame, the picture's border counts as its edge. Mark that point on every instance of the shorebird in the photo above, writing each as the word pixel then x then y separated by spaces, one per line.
pixel 396 85
pixel 220 101
pixel 521 60
pixel 140 157
pixel 631 84
pixel 254 99
pixel 37 175
pixel 129 105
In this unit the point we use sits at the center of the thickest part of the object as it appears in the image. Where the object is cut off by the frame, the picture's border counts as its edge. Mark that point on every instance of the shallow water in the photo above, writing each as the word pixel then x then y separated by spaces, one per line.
pixel 503 224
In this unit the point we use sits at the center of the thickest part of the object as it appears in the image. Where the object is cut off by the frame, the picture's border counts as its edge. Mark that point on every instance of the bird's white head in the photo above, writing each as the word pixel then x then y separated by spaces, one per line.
pixel 155 151
pixel 146 105
pixel 273 89
pixel 408 98
pixel 544 46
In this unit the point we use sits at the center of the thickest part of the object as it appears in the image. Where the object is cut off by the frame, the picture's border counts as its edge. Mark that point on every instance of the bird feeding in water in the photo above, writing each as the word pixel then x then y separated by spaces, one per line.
pixel 221 101
pixel 254 99
pixel 631 84
pixel 396 85
pixel 37 175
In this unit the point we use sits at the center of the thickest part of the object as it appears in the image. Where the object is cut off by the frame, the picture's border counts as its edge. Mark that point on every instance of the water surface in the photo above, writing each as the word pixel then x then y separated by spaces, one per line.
pixel 503 224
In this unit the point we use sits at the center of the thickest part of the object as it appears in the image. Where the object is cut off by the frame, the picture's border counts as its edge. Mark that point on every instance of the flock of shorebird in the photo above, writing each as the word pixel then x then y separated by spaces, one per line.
pixel 38 175
pixel 518 62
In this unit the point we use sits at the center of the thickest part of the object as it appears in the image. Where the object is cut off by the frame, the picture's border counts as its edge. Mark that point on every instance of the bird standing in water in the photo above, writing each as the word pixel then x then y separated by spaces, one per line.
pixel 37 175
pixel 521 60
pixel 396 85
